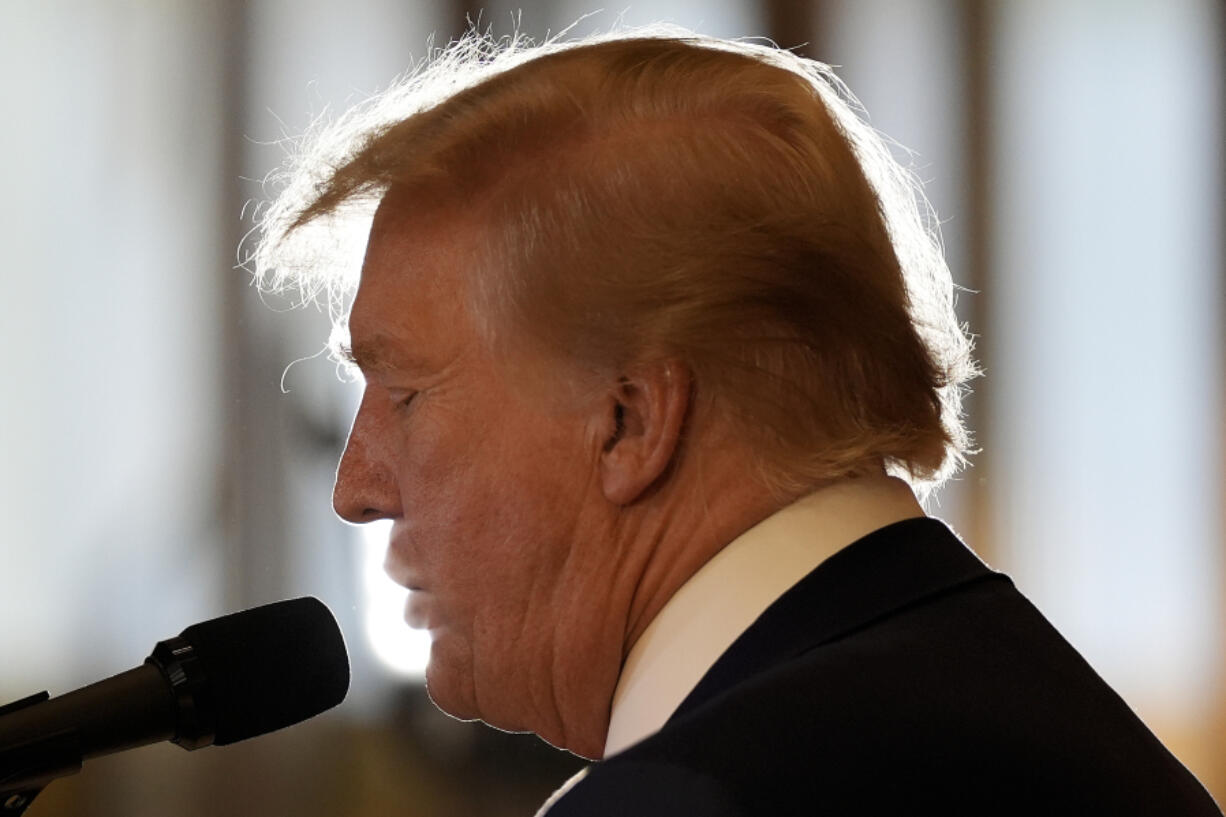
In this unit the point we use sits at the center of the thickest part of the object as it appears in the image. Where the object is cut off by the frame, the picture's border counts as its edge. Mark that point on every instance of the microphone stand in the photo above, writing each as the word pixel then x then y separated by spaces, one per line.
pixel 44 738
pixel 165 698
pixel 39 761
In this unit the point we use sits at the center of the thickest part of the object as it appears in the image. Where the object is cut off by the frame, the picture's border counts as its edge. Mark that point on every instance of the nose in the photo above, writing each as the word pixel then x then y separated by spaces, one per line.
pixel 365 488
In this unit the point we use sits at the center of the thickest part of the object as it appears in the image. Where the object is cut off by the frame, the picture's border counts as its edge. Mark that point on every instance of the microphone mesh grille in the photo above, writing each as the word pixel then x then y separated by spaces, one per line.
pixel 271 666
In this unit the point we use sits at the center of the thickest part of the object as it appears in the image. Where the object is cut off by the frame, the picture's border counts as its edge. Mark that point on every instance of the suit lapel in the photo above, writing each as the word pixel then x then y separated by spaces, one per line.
pixel 871 579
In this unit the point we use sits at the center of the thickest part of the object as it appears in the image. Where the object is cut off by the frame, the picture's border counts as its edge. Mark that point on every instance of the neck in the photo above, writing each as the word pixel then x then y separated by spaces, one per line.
pixel 660 543
pixel 676 539
pixel 726 594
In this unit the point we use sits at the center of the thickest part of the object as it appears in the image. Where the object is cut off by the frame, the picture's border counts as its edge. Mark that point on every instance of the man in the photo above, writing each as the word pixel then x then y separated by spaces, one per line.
pixel 657 353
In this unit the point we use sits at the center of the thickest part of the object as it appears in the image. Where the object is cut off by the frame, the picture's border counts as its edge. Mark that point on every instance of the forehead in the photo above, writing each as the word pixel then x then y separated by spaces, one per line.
pixel 412 297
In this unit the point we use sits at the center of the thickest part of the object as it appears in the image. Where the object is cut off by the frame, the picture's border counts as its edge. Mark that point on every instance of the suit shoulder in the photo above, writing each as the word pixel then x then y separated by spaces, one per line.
pixel 945 707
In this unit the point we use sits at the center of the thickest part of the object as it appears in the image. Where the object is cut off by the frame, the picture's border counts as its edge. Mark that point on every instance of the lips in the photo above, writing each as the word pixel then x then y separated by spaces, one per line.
pixel 420 607
pixel 417 609
pixel 403 577
pixel 399 571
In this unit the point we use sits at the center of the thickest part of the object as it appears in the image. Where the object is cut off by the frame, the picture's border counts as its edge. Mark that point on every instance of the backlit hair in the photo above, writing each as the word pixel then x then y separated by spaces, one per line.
pixel 662 194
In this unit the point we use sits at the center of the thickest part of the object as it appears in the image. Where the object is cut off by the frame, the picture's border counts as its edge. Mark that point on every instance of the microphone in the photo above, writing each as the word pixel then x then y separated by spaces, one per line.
pixel 217 682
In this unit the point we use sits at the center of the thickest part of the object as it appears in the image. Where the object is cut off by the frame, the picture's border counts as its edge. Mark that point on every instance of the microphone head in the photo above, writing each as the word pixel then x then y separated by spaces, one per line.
pixel 269 667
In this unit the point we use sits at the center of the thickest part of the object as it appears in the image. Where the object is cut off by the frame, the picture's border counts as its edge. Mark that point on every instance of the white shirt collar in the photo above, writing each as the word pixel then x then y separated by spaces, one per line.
pixel 734 587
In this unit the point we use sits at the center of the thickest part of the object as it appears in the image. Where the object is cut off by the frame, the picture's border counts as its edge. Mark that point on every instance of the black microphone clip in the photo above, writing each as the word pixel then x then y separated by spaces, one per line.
pixel 180 663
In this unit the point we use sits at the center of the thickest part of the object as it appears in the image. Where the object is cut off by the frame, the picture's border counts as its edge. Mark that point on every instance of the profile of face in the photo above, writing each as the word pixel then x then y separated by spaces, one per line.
pixel 499 522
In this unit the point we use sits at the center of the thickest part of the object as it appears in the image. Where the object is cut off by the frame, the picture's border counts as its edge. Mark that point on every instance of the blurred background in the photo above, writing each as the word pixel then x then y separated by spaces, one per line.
pixel 169 436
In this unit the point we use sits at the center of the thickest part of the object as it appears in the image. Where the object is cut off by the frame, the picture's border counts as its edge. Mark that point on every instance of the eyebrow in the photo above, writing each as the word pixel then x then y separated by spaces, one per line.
pixel 344 352
pixel 374 355
pixel 367 356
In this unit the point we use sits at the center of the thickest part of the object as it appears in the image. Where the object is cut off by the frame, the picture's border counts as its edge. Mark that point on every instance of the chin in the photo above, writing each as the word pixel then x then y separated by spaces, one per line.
pixel 453 689
pixel 450 690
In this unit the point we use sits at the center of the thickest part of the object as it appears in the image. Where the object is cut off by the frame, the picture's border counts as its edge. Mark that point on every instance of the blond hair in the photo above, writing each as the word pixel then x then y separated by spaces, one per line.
pixel 659 193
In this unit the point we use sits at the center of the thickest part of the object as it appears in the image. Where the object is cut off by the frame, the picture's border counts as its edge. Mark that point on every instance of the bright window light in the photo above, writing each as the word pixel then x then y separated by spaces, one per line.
pixel 403 651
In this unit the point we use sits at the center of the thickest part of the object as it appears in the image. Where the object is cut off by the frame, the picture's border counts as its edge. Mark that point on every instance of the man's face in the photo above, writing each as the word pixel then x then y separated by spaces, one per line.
pixel 493 493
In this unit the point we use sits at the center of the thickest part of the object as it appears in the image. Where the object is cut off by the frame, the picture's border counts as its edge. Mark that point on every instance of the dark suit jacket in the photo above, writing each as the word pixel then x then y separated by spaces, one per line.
pixel 902 676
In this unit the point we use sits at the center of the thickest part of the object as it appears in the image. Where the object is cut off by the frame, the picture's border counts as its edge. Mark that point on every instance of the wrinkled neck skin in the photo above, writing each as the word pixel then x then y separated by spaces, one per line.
pixel 660 541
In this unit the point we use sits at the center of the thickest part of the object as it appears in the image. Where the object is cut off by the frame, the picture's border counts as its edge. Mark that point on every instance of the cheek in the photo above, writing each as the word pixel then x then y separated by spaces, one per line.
pixel 462 496
pixel 492 493
pixel 501 543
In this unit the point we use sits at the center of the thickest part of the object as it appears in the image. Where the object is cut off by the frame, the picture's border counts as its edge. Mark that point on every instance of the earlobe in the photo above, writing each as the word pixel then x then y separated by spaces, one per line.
pixel 646 413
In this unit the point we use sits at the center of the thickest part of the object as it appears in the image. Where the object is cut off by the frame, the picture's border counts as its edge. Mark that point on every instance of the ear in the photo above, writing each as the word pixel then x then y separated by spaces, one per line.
pixel 645 415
